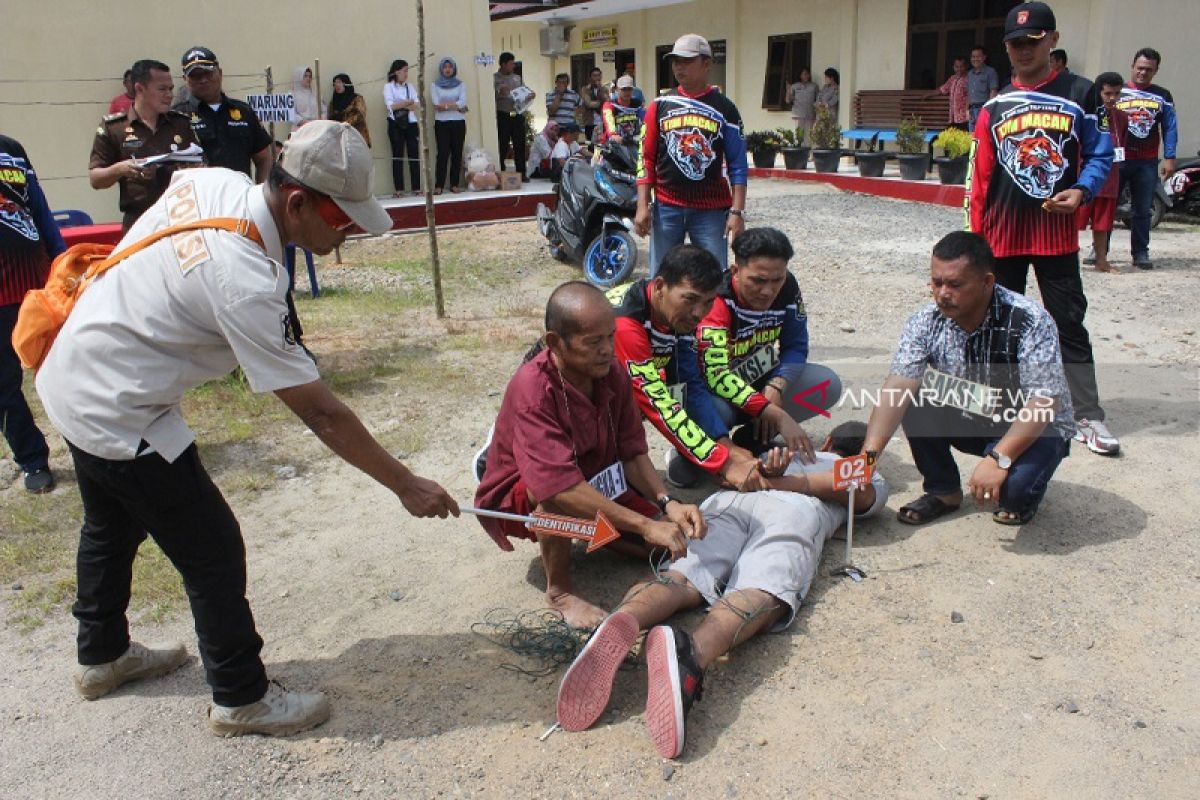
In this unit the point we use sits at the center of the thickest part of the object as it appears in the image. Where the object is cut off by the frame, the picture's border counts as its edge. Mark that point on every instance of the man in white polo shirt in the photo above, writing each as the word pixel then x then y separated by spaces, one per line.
pixel 186 310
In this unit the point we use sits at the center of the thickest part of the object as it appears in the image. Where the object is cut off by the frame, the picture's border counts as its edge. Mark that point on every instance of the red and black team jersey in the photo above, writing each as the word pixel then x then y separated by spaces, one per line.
pixel 29 237
pixel 666 379
pixel 622 121
pixel 1030 143
pixel 685 143
pixel 732 338
pixel 1151 111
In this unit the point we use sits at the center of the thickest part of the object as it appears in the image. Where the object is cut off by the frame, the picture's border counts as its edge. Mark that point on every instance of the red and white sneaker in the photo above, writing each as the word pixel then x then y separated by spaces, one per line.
pixel 674 681
pixel 585 689
pixel 1097 437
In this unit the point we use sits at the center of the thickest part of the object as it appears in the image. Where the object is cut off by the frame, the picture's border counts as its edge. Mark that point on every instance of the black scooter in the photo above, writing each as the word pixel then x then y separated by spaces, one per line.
pixel 592 221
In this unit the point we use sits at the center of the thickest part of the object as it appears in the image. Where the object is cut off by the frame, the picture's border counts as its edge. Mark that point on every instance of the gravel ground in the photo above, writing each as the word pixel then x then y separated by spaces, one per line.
pixel 1073 672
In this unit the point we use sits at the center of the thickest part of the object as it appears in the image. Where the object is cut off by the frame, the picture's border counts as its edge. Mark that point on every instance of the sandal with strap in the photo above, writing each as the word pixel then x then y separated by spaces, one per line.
pixel 925 509
pixel 1020 519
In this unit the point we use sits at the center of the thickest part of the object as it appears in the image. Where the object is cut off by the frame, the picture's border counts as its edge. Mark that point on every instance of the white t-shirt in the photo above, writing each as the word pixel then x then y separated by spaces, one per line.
pixel 184 311
pixel 828 516
pixel 398 92
pixel 563 150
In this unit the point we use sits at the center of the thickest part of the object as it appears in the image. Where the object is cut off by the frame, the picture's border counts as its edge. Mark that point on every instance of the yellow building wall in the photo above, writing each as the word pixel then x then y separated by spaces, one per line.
pixel 744 24
pixel 866 40
pixel 99 41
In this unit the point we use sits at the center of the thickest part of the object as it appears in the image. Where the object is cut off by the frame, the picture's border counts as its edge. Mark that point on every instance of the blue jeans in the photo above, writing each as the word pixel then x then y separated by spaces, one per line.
pixel 1141 175
pixel 28 444
pixel 1028 478
pixel 702 226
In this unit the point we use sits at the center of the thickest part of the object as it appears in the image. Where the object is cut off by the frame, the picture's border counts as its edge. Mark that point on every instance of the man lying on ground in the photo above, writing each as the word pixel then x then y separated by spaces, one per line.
pixel 978 369
pixel 568 440
pixel 753 347
pixel 752 569
pixel 655 347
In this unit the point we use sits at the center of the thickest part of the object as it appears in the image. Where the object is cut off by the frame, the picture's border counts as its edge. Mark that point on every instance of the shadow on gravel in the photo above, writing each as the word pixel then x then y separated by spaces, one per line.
pixel 1074 516
pixel 1129 415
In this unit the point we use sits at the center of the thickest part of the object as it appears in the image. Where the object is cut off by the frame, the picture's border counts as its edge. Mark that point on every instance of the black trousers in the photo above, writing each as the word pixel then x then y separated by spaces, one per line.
pixel 512 129
pixel 28 444
pixel 183 510
pixel 405 148
pixel 1062 292
pixel 450 135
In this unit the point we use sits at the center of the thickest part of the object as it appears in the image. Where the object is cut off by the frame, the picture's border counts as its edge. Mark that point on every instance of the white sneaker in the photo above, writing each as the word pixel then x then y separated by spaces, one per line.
pixel 139 661
pixel 1096 435
pixel 278 713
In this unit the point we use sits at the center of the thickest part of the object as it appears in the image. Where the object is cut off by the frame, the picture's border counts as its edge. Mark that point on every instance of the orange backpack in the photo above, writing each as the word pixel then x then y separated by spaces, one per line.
pixel 43 312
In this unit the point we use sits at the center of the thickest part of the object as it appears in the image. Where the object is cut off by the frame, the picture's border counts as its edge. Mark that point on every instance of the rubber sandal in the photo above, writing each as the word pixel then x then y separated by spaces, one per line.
pixel 927 508
pixel 1020 519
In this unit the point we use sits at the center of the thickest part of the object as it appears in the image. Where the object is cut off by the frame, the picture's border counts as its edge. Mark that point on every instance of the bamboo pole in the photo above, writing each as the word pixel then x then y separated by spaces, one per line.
pixel 426 166
pixel 337 251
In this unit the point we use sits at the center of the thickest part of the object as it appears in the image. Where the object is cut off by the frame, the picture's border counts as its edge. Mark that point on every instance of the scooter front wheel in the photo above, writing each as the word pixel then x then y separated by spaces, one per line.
pixel 610 258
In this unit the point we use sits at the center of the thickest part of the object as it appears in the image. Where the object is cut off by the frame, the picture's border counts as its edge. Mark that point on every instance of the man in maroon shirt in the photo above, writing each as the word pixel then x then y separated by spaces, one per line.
pixel 569 440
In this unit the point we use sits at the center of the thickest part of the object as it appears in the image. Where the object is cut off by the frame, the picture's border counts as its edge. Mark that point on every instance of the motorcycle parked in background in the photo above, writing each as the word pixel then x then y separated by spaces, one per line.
pixel 592 222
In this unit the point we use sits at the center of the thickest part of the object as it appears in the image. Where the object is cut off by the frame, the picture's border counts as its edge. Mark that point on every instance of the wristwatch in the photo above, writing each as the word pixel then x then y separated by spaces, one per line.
pixel 1004 461
pixel 872 456
pixel 737 212
pixel 663 501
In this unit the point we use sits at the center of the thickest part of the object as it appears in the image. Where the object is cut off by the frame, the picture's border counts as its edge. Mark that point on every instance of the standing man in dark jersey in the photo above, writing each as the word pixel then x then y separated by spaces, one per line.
pixel 29 241
pixel 1037 156
pixel 688 138
pixel 1151 112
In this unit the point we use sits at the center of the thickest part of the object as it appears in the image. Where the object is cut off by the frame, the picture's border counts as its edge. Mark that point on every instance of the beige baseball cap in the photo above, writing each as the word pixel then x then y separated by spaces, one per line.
pixel 690 45
pixel 332 158
pixel 624 82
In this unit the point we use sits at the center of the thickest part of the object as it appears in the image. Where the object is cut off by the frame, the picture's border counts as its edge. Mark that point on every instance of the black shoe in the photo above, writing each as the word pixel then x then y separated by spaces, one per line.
pixel 674 682
pixel 680 472
pixel 1143 262
pixel 39 481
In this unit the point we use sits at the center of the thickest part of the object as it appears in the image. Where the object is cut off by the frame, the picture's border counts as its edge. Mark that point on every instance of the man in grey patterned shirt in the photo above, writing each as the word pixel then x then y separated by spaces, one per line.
pixel 978 370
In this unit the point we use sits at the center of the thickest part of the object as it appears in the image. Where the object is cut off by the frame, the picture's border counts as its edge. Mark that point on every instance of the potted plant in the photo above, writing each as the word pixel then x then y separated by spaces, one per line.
pixel 763 146
pixel 913 157
pixel 795 154
pixel 826 141
pixel 871 161
pixel 955 144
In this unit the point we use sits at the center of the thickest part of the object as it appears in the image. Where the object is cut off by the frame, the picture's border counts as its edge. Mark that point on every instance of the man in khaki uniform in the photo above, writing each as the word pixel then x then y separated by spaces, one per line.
pixel 148 128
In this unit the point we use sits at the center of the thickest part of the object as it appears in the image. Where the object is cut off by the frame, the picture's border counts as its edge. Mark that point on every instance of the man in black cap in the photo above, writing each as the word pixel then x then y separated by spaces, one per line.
pixel 1039 154
pixel 227 129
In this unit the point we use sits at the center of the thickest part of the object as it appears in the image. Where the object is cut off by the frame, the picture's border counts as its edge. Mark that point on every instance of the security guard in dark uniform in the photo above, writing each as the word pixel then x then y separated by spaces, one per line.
pixel 230 134
pixel 148 128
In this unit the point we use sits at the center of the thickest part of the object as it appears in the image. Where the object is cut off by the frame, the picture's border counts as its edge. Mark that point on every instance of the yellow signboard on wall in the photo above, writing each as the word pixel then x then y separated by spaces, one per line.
pixel 596 38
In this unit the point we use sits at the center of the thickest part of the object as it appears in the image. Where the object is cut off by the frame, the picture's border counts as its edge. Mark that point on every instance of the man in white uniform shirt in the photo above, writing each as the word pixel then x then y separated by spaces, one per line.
pixel 185 310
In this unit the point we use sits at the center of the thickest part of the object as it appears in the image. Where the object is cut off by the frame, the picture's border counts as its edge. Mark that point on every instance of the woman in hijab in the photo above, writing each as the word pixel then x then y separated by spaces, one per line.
pixel 304 99
pixel 402 103
pixel 540 165
pixel 348 106
pixel 449 96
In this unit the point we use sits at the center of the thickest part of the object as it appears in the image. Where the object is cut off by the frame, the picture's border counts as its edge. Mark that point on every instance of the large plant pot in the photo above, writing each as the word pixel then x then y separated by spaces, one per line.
pixel 796 157
pixel 870 165
pixel 765 159
pixel 952 170
pixel 913 166
pixel 826 160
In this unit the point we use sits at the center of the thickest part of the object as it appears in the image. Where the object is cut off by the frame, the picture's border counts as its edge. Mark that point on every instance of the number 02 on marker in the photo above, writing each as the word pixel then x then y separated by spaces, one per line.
pixel 853 471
